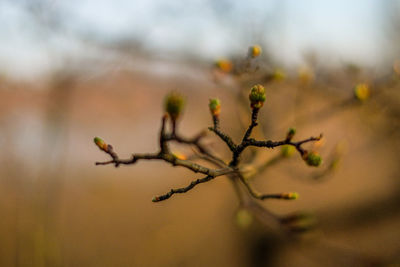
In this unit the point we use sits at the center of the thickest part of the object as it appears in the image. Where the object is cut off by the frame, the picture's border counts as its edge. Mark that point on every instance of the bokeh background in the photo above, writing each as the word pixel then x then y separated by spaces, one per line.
pixel 72 70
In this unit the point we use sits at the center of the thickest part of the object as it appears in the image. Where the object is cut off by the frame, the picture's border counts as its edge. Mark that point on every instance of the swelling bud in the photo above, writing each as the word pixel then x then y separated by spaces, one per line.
pixel 287 151
pixel 278 75
pixel 313 159
pixel 290 196
pixel 291 132
pixel 100 144
pixel 224 65
pixel 173 104
pixel 215 107
pixel 255 51
pixel 257 96
pixel 361 92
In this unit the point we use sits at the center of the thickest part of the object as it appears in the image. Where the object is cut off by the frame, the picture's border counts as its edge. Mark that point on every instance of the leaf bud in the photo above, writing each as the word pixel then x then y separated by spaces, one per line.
pixel 312 159
pixel 287 150
pixel 224 65
pixel 101 144
pixel 290 196
pixel 361 91
pixel 257 96
pixel 291 132
pixel 255 51
pixel 215 107
pixel 173 104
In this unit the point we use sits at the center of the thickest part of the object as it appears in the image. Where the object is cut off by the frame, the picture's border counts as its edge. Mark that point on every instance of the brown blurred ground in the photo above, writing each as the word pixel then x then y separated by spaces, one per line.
pixel 58 209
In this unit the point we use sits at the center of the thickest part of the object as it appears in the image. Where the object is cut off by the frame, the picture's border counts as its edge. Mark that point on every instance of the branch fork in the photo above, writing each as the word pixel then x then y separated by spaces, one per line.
pixel 173 108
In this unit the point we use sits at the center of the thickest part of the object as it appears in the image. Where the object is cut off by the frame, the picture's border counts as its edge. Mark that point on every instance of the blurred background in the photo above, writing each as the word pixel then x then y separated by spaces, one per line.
pixel 72 70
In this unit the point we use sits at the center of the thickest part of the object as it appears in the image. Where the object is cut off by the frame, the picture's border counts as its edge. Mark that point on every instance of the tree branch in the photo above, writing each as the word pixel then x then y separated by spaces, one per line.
pixel 173 107
pixel 255 194
pixel 168 158
pixel 228 141
pixel 183 189
pixel 253 124
pixel 273 144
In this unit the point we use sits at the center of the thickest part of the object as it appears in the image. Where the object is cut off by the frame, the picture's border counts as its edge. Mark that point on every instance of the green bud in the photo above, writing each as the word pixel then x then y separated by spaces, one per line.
pixel 287 150
pixel 224 65
pixel 215 106
pixel 255 51
pixel 278 75
pixel 100 143
pixel 244 218
pixel 361 91
pixel 173 104
pixel 257 96
pixel 313 159
pixel 290 196
pixel 334 164
pixel 291 132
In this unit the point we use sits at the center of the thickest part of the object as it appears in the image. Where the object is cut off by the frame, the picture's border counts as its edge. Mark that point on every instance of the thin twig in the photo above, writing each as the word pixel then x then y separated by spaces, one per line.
pixel 261 196
pixel 253 124
pixel 183 189
pixel 232 170
pixel 273 144
pixel 171 159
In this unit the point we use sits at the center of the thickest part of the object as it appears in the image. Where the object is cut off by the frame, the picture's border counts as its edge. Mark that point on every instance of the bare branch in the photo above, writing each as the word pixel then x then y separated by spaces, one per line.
pixel 253 124
pixel 174 104
pixel 135 157
pixel 255 194
pixel 183 189
pixel 168 158
pixel 273 144
pixel 228 141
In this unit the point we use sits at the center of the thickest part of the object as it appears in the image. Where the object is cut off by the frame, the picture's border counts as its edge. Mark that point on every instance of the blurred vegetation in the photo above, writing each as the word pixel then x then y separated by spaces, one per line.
pixel 58 209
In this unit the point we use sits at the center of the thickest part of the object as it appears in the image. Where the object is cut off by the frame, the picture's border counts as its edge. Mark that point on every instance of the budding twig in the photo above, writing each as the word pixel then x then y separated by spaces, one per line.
pixel 273 144
pixel 168 157
pixel 173 107
pixel 255 194
pixel 253 124
pixel 228 141
pixel 183 189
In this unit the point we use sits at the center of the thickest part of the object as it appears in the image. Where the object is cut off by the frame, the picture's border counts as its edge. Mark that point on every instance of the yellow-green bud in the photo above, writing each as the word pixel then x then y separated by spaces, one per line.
pixel 334 164
pixel 287 150
pixel 224 65
pixel 244 218
pixel 215 106
pixel 179 155
pixel 290 196
pixel 361 92
pixel 291 132
pixel 257 96
pixel 278 75
pixel 173 104
pixel 100 143
pixel 313 159
pixel 255 51
pixel 306 75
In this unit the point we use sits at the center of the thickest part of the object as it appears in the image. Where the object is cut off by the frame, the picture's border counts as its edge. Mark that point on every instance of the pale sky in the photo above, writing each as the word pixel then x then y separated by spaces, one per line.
pixel 344 30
